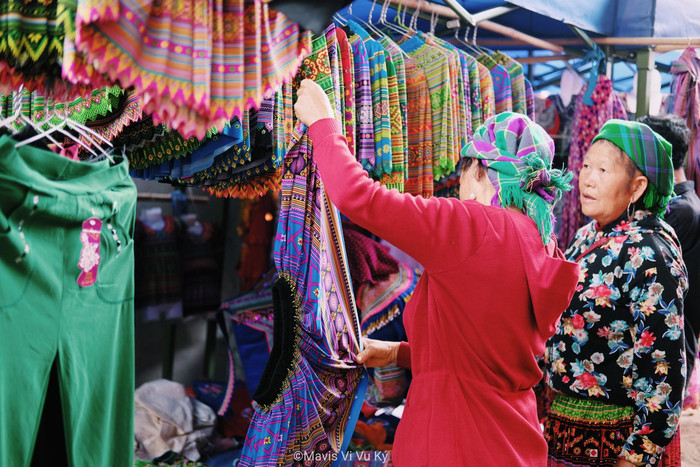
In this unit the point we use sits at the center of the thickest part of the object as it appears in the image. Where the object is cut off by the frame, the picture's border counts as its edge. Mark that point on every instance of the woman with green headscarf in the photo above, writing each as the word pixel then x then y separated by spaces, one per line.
pixel 616 362
pixel 492 290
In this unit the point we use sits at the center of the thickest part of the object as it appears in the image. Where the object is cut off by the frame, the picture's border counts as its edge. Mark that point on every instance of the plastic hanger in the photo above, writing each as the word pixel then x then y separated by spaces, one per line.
pixel 46 127
pixel 384 23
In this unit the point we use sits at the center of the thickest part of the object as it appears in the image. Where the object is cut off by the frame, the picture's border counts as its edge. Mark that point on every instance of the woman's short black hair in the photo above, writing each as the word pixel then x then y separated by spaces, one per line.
pixel 674 129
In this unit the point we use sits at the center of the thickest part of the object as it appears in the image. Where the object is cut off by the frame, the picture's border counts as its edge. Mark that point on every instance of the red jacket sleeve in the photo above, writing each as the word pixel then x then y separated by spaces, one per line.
pixel 418 226
pixel 403 356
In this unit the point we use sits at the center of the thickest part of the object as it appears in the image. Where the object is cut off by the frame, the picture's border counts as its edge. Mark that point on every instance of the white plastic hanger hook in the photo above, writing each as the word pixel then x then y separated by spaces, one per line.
pixel 371 12
pixel 385 9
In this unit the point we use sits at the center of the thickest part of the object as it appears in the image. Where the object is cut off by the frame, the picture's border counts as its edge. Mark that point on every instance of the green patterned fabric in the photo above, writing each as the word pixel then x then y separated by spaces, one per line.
pixel 518 154
pixel 650 152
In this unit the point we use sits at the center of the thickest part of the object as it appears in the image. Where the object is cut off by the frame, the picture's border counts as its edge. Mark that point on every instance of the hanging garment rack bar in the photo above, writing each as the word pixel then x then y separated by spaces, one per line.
pixel 660 42
pixel 449 13
pixel 546 58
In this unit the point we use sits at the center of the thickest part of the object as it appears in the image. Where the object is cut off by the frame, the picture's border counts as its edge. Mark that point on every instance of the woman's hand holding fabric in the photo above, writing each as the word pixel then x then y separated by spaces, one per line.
pixel 377 353
pixel 624 463
pixel 312 103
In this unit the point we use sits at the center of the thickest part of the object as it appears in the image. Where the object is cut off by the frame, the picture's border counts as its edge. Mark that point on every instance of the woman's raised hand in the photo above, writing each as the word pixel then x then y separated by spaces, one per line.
pixel 312 103
pixel 377 353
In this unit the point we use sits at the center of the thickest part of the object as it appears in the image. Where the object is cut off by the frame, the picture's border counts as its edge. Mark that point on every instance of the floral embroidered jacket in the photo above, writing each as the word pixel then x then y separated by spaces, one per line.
pixel 621 339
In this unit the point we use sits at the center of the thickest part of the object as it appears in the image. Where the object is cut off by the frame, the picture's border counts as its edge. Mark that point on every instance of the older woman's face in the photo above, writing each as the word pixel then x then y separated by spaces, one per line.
pixel 604 183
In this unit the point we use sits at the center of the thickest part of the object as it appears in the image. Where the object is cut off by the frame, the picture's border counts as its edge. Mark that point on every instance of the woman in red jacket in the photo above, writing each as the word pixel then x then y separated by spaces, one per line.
pixel 493 288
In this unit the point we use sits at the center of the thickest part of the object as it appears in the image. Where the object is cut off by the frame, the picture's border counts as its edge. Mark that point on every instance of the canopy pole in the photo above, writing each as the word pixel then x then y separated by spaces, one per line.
pixel 447 12
pixel 645 63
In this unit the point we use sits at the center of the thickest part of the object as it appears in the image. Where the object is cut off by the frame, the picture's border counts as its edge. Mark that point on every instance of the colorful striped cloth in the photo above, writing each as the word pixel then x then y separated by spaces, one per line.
pixel 396 178
pixel 517 81
pixel 363 104
pixel 380 102
pixel 196 65
pixel 35 45
pixel 315 408
pixel 461 97
pixel 518 154
pixel 310 403
pixel 501 84
pixel 334 59
pixel 348 71
pixel 435 65
pixel 488 100
pixel 477 92
pixel 419 124
pixel 399 59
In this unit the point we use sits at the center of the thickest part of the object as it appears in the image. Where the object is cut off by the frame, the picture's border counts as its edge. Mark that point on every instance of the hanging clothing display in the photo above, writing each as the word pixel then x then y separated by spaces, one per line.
pixel 684 100
pixel 587 122
pixel 311 390
pixel 502 90
pixel 197 67
pixel 67 291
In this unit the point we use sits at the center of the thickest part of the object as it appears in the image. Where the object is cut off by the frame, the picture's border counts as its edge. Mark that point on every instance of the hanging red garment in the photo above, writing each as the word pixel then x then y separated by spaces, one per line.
pixel 587 123
pixel 685 102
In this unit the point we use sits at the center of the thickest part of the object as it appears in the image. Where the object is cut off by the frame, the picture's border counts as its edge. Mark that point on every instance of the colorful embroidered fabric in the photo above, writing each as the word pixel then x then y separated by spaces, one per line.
pixel 200 159
pixel 488 99
pixel 582 432
pixel 348 72
pixel 621 339
pixel 587 122
pixel 465 61
pixel 461 107
pixel 684 101
pixel 419 125
pixel 146 144
pixel 380 102
pixel 196 65
pixel 435 65
pixel 317 404
pixel 396 178
pixel 127 112
pixel 476 92
pixel 517 81
pixel 35 37
pixel 398 57
pixel 383 303
pixel 334 59
pixel 96 103
pixel 363 104
pixel 314 407
pixel 501 84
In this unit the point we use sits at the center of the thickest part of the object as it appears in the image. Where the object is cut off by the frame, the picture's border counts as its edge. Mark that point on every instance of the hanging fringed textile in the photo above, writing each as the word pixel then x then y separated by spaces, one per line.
pixel 312 389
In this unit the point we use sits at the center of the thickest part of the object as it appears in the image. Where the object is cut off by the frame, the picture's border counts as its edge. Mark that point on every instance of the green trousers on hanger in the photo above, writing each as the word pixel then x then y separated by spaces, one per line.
pixel 66 295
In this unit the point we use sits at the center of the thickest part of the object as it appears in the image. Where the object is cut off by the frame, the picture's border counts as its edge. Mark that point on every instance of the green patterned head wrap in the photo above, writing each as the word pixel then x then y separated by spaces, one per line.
pixel 518 154
pixel 651 153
